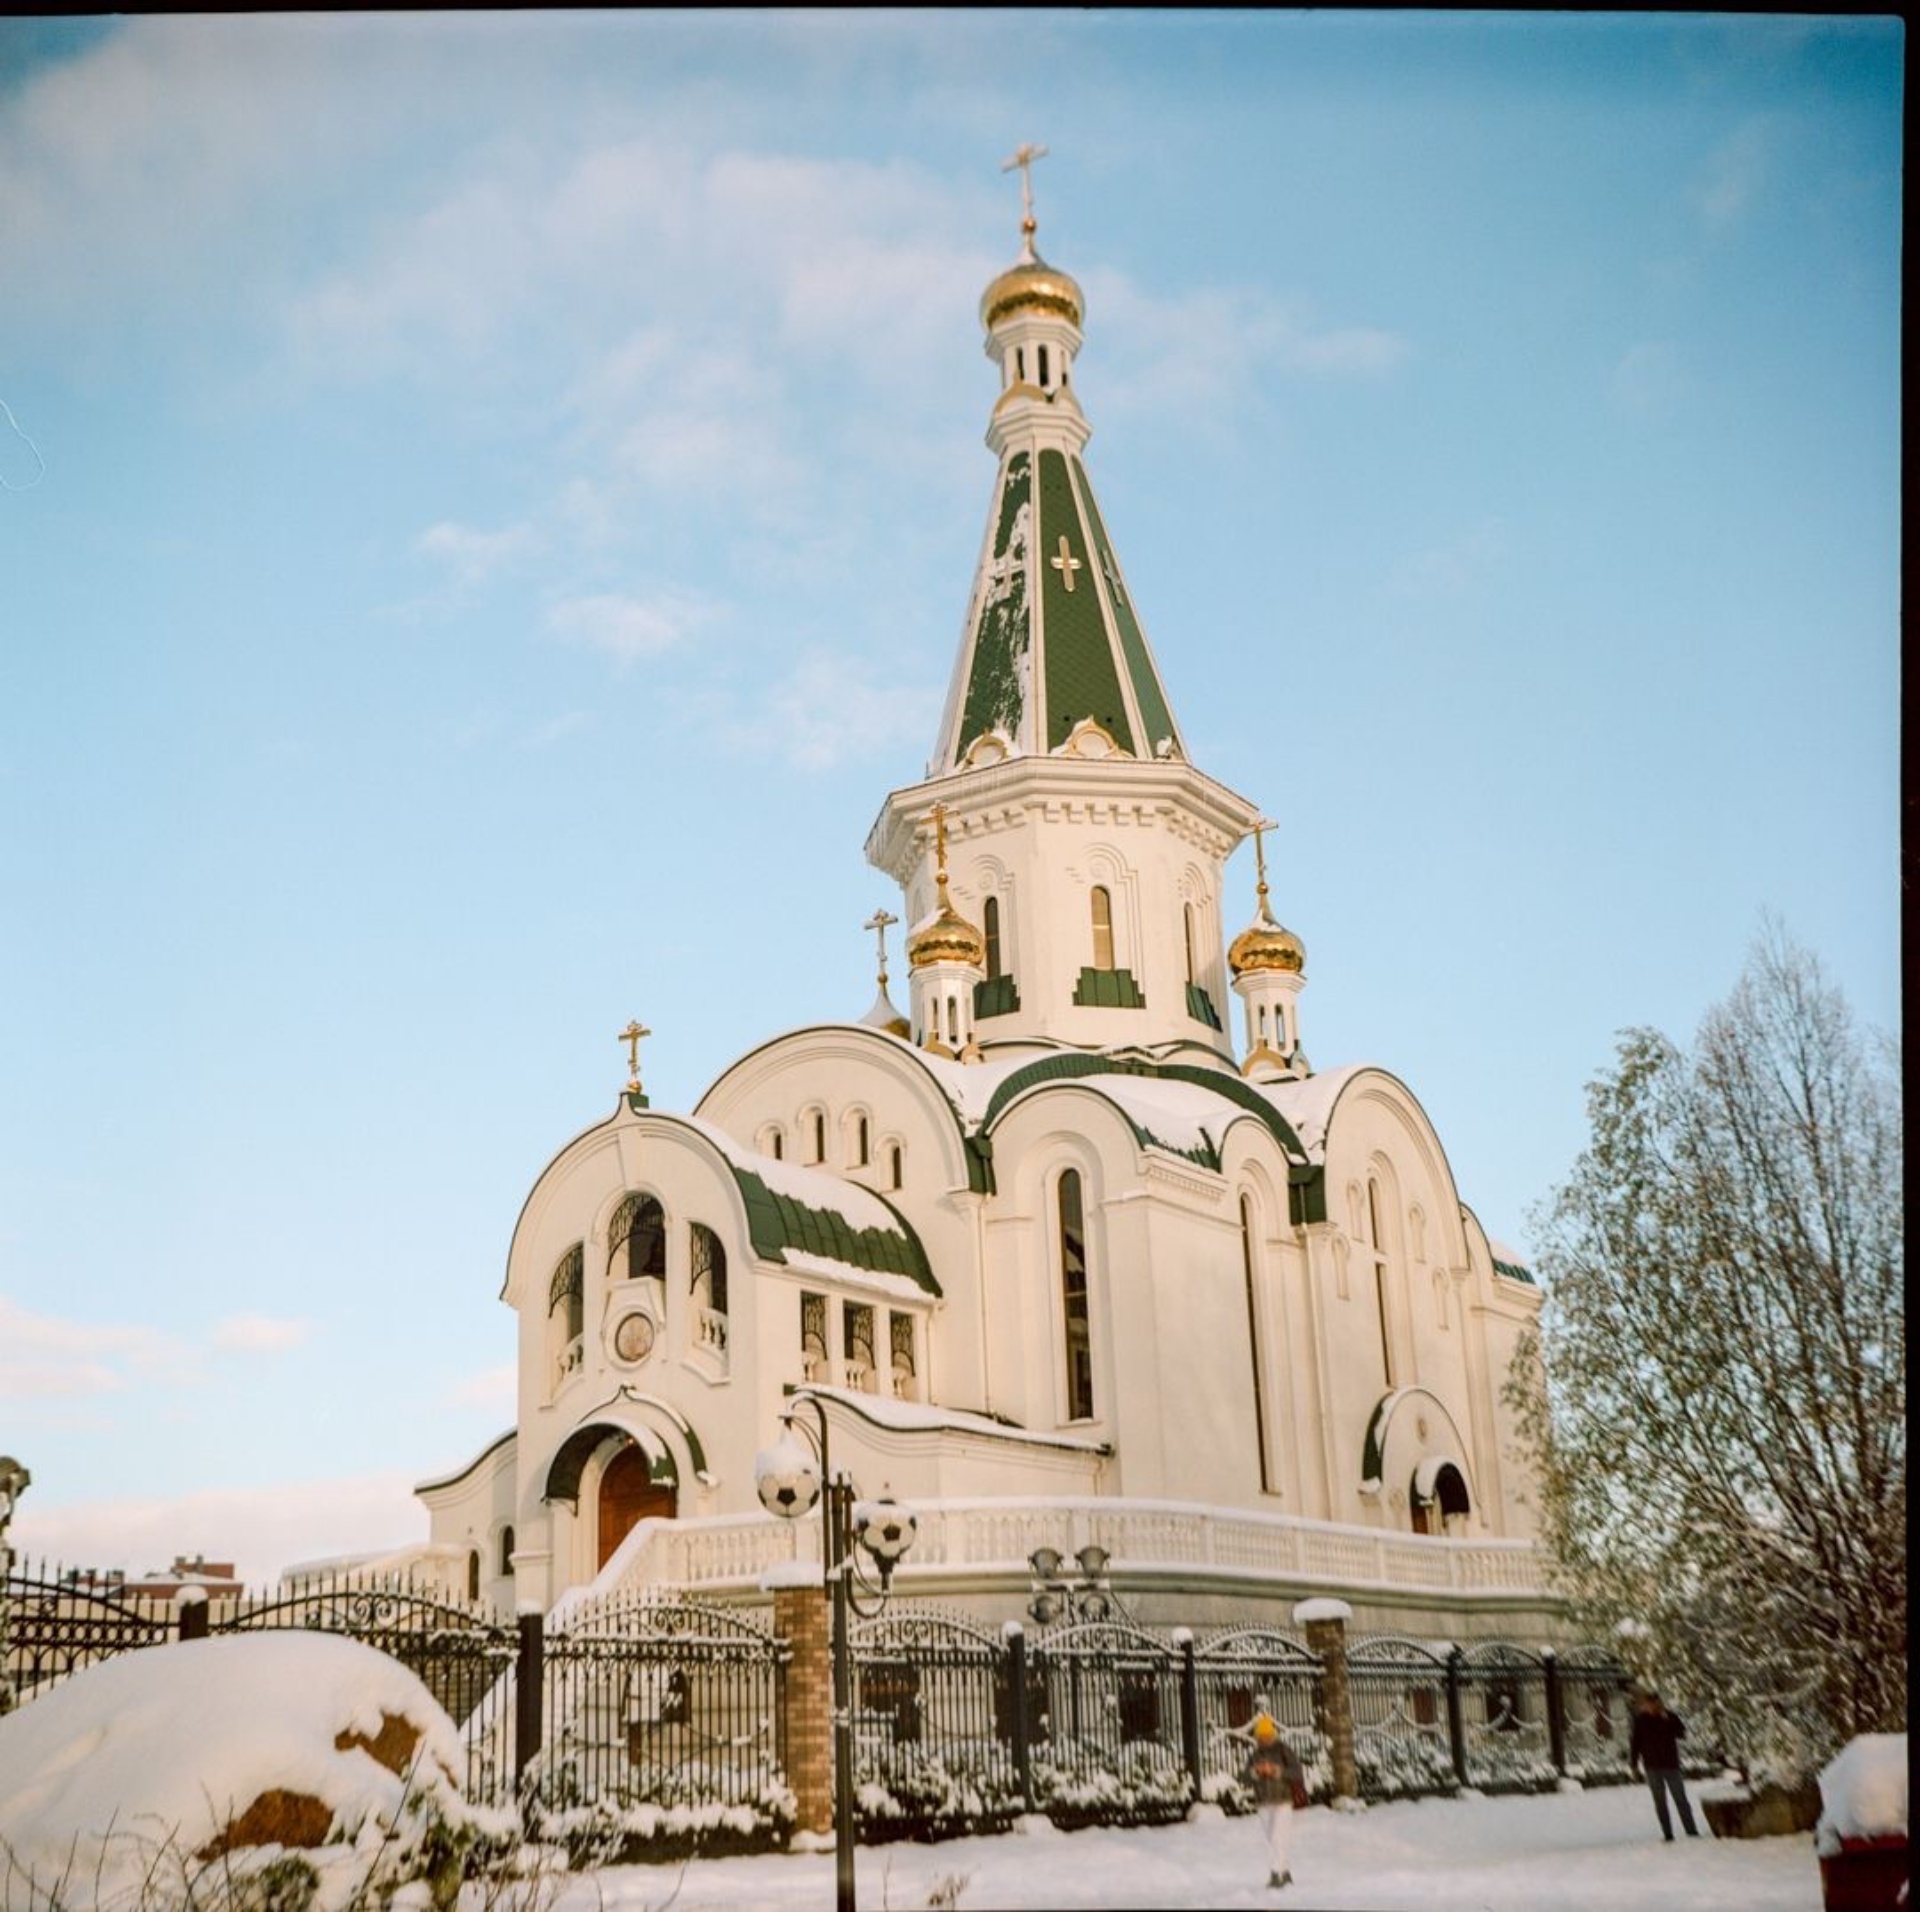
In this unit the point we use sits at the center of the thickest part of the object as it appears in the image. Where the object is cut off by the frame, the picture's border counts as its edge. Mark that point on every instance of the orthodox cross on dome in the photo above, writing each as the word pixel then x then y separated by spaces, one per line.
pixel 1023 158
pixel 878 922
pixel 632 1035
pixel 1066 563
pixel 1260 830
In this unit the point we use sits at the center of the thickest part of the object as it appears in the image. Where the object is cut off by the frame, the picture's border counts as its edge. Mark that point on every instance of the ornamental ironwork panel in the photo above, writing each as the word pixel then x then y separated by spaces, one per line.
pixel 1507 1737
pixel 1595 1708
pixel 656 1701
pixel 59 1622
pixel 1240 1671
pixel 1401 1744
pixel 461 1651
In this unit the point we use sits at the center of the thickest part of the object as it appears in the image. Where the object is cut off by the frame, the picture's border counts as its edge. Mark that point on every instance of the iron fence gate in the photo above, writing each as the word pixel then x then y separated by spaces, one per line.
pixel 462 1653
pixel 1109 1725
pixel 1243 1670
pixel 651 1701
pixel 1594 1695
pixel 936 1744
pixel 58 1623
pixel 1402 1742
pixel 1507 1735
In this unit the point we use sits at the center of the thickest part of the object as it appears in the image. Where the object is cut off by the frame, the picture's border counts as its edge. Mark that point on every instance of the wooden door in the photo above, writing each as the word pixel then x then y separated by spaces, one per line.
pixel 628 1495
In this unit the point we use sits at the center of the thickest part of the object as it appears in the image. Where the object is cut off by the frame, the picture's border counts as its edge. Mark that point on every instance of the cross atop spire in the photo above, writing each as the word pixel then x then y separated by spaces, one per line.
pixel 1023 158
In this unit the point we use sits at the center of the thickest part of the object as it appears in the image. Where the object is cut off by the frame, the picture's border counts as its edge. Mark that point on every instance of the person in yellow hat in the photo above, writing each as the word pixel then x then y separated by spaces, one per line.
pixel 1278 1782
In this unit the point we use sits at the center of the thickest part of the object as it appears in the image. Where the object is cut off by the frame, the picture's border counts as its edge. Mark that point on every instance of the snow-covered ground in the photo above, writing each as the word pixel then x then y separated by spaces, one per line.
pixel 1567 1852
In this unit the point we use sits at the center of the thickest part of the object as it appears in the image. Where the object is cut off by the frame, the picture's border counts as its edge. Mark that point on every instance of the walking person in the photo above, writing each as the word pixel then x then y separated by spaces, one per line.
pixel 1278 1782
pixel 1654 1747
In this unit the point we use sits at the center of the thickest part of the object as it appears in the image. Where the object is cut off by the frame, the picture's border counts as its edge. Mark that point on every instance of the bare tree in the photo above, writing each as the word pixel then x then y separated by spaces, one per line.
pixel 1716 1395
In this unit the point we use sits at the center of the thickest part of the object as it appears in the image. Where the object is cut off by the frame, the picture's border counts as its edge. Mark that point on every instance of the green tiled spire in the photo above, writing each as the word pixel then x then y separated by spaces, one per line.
pixel 1052 637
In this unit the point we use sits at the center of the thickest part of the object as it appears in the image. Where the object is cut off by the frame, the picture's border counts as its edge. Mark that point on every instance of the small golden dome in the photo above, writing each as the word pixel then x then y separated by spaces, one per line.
pixel 1032 285
pixel 1265 945
pixel 946 937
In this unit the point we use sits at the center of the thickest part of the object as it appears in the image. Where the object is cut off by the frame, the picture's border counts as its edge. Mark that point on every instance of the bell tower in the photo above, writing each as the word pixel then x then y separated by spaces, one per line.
pixel 1083 847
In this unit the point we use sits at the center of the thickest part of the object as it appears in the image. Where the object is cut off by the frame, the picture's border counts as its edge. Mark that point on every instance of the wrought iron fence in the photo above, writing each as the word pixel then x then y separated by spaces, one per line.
pixel 1594 1694
pixel 1507 1740
pixel 1243 1670
pixel 59 1622
pixel 660 1719
pixel 463 1653
pixel 1403 1737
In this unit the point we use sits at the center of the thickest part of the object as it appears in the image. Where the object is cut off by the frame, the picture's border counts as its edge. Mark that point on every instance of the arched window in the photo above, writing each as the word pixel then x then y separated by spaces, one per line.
pixel 900 1334
pixel 1247 1268
pixel 1378 1242
pixel 709 1257
pixel 506 1552
pixel 779 1148
pixel 1102 928
pixel 473 1573
pixel 1193 957
pixel 566 1294
pixel 817 1129
pixel 897 1166
pixel 637 1239
pixel 857 1346
pixel 990 929
pixel 1076 1320
pixel 862 1142
pixel 813 1337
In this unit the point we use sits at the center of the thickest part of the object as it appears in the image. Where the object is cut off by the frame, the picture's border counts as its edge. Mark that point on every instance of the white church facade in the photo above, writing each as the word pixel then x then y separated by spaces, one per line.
pixel 1064 1258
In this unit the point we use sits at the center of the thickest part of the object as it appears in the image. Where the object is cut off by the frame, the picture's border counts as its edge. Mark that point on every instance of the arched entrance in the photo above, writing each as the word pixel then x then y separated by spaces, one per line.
pixel 628 1495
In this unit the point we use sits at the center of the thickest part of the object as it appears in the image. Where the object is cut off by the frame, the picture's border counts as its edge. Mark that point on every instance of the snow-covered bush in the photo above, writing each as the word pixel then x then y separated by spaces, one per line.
pixel 907 1791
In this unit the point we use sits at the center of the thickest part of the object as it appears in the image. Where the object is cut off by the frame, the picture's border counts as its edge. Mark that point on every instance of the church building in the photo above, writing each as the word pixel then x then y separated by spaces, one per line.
pixel 1078 1246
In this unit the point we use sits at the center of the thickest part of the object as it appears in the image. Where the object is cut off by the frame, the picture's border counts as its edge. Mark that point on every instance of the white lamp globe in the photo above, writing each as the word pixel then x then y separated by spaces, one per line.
pixel 787 1478
pixel 884 1528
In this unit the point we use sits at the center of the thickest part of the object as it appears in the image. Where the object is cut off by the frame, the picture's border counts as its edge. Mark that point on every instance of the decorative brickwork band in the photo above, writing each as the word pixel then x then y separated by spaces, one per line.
pixel 800 1618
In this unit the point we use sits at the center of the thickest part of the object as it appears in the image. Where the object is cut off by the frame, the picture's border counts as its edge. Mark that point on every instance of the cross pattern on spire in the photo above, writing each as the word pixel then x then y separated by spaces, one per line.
pixel 1066 563
pixel 1112 573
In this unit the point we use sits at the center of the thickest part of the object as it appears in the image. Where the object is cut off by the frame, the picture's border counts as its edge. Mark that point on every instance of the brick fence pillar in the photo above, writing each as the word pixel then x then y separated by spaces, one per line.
pixel 1325 1625
pixel 800 1617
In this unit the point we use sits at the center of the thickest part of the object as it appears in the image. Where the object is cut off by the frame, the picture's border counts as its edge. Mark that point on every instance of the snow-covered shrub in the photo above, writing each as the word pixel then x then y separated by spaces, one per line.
pixel 906 1791
pixel 1080 1784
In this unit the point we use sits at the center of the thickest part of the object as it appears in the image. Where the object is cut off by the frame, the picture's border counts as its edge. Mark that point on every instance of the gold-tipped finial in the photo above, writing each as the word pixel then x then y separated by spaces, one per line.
pixel 945 936
pixel 879 922
pixel 632 1035
pixel 1023 158
pixel 1260 830
pixel 1264 944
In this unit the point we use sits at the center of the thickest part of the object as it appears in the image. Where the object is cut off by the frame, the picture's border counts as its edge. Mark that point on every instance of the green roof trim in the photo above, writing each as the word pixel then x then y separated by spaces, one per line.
pixel 1108 989
pixel 777 1222
pixel 1301 1174
pixel 1082 671
pixel 997 996
pixel 996 698
pixel 1514 1272
pixel 1200 1006
pixel 1147 691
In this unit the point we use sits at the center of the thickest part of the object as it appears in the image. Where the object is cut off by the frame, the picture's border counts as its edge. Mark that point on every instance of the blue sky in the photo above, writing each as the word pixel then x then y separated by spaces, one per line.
pixel 489 504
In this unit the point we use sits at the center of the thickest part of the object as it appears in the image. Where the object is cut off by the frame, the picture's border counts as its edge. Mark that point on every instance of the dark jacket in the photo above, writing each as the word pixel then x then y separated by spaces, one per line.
pixel 1655 1742
pixel 1274 1774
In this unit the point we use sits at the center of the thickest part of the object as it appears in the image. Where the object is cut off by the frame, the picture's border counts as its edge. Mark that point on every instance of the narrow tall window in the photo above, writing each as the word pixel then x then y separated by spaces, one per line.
pixel 1379 1276
pixel 1193 964
pixel 858 1346
pixel 1102 928
pixel 819 1136
pixel 1075 1315
pixel 897 1166
pixel 990 926
pixel 813 1337
pixel 1043 366
pixel 709 1258
pixel 637 1239
pixel 1253 1343
pixel 506 1552
pixel 566 1295
pixel 861 1142
pixel 900 1334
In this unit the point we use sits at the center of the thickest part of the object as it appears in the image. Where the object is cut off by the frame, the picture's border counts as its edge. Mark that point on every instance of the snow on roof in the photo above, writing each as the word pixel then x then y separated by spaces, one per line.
pixel 813 1187
pixel 873 1281
pixel 1182 1115
pixel 970 1085
pixel 1863 1792
pixel 167 1746
pixel 885 1411
pixel 1308 1105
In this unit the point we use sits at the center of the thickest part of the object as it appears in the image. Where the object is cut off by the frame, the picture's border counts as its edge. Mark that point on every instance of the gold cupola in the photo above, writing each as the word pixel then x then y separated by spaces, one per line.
pixel 1030 284
pixel 945 936
pixel 1264 944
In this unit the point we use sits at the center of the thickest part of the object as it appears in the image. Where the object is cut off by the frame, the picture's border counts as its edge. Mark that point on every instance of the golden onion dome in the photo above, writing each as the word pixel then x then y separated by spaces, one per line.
pixel 1032 285
pixel 946 937
pixel 1263 944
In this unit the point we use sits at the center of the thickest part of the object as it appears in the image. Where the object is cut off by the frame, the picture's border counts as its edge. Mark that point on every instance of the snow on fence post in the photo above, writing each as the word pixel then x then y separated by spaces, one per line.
pixel 1324 1622
pixel 529 1697
pixel 1556 1714
pixel 1456 1722
pixel 1189 1707
pixel 1015 1636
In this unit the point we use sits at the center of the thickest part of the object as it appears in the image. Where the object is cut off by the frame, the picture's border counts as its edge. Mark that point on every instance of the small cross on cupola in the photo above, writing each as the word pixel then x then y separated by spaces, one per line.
pixel 633 1035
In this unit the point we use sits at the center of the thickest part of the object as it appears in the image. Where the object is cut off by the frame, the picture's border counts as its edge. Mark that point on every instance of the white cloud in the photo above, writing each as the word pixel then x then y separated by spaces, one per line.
pixel 628 628
pixel 1734 172
pixel 262 1530
pixel 260 1334
pixel 47 1355
pixel 472 555
pixel 828 709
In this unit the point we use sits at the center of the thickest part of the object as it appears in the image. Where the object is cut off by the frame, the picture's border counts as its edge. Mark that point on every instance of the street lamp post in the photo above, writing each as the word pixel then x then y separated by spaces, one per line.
pixel 1060 1592
pixel 789 1480
pixel 14 1481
